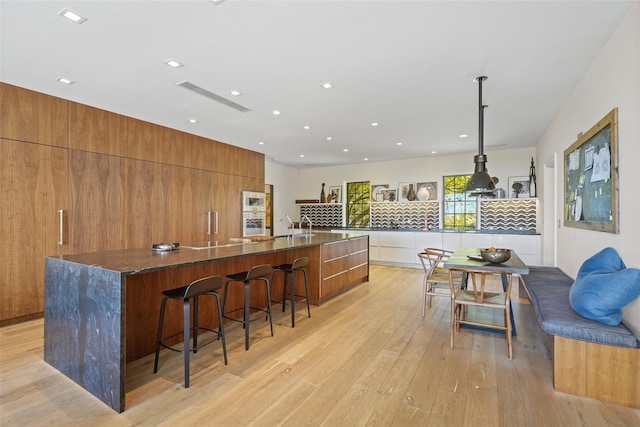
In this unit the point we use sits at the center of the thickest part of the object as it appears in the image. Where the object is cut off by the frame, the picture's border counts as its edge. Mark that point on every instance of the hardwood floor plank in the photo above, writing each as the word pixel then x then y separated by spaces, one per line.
pixel 365 358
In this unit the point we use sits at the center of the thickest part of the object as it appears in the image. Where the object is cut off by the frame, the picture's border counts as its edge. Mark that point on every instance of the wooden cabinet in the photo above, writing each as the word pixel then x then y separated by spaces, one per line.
pixel 32 117
pixel 34 188
pixel 97 131
pixel 344 265
pixel 358 260
pixel 120 182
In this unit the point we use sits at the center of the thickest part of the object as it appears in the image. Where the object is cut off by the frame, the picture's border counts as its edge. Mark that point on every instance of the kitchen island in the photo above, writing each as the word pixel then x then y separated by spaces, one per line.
pixel 101 309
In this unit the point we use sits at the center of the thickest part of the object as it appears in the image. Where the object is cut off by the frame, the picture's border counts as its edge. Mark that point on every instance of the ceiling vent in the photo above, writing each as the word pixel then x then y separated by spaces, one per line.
pixel 197 89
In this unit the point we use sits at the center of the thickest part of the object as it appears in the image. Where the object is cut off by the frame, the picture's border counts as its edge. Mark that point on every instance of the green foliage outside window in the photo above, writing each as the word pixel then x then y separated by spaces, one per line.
pixel 358 208
pixel 459 209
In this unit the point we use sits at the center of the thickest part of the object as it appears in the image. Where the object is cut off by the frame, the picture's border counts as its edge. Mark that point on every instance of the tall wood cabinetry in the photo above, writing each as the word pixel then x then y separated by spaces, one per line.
pixel 119 182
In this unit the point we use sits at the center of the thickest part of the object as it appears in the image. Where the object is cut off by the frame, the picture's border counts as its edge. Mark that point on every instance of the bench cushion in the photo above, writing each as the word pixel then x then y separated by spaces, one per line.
pixel 548 288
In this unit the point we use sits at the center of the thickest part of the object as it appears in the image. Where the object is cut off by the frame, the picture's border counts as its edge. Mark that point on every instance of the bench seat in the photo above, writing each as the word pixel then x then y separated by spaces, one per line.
pixel 548 288
pixel 590 359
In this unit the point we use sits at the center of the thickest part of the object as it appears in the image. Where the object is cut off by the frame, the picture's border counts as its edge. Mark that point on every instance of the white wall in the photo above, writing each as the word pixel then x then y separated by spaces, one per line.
pixel 612 80
pixel 286 189
pixel 502 164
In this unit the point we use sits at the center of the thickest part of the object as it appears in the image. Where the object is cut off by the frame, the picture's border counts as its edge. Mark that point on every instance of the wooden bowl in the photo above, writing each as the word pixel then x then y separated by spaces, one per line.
pixel 495 255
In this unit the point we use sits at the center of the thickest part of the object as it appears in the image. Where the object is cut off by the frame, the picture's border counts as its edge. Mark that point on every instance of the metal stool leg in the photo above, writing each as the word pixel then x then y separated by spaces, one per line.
pixel 159 335
pixel 186 351
pixel 292 292
pixel 306 291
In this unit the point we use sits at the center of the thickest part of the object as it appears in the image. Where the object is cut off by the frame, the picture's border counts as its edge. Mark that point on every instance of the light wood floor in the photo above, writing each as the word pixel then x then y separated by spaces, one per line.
pixel 365 358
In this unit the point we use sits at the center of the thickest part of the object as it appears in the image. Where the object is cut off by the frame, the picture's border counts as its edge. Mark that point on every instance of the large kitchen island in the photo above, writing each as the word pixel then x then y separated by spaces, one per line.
pixel 101 309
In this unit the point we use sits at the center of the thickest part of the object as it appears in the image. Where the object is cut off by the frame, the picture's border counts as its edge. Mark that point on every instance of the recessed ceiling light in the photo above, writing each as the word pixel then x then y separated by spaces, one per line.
pixel 434 152
pixel 365 159
pixel 276 112
pixel 374 124
pixel 173 63
pixel 327 85
pixel 235 93
pixel 306 127
pixel 193 121
pixel 216 2
pixel 65 81
pixel 345 150
pixel 72 16
pixel 464 135
pixel 329 138
pixel 398 143
pixel 260 143
pixel 301 155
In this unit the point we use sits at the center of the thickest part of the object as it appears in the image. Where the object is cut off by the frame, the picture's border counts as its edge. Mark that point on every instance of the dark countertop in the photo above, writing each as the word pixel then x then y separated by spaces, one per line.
pixel 438 230
pixel 133 261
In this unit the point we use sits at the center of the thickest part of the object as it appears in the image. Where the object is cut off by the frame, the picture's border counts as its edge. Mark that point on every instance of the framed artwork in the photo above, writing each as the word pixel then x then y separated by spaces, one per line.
pixel 376 192
pixel 591 178
pixel 403 190
pixel 389 195
pixel 336 193
pixel 427 191
pixel 518 187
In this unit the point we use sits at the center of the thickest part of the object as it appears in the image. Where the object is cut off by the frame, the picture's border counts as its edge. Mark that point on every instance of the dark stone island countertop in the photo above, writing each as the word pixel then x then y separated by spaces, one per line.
pixel 134 261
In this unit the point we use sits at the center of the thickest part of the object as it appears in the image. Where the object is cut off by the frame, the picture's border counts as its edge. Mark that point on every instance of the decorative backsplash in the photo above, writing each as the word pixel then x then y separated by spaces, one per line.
pixel 508 214
pixel 495 214
pixel 323 214
pixel 405 214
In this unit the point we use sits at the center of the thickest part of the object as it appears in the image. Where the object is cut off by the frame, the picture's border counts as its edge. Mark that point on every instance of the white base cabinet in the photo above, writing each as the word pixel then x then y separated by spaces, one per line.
pixel 401 247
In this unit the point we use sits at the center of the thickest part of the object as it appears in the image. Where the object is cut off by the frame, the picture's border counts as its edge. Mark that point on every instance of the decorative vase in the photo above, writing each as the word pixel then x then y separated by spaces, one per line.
pixel 411 194
pixel 323 198
pixel 329 198
pixel 423 193
pixel 532 180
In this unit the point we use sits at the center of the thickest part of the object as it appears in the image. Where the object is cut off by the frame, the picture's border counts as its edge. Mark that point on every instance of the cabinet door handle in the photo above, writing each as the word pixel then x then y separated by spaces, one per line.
pixel 61 222
pixel 208 223
pixel 216 222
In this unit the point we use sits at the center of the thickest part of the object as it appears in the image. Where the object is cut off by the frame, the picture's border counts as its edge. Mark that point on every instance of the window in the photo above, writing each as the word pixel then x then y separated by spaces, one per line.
pixel 358 211
pixel 459 209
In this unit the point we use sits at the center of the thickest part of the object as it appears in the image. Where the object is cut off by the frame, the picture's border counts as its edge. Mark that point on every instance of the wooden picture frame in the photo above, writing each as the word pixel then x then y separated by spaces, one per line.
pixel 591 178
pixel 336 194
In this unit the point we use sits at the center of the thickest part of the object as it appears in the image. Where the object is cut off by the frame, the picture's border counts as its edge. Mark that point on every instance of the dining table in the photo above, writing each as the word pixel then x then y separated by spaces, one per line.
pixel 464 258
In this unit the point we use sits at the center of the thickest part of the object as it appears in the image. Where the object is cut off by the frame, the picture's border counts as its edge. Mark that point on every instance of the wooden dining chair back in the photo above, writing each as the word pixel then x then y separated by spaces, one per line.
pixel 435 275
pixel 478 296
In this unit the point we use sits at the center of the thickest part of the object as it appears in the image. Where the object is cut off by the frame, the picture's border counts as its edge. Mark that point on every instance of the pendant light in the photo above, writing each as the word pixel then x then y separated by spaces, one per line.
pixel 480 183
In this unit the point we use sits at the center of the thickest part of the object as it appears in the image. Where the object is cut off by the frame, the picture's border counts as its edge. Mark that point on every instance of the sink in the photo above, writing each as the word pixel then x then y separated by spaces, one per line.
pixel 217 244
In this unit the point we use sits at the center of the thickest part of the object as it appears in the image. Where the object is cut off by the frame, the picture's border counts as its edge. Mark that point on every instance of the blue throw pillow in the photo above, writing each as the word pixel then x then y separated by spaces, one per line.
pixel 603 286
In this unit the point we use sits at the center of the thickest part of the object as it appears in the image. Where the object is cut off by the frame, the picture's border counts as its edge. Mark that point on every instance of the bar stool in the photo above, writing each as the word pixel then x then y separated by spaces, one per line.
pixel 197 288
pixel 259 272
pixel 289 282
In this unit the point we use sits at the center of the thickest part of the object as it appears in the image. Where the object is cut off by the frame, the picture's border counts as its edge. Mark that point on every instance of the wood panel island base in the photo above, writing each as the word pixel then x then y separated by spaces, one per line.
pixel 101 309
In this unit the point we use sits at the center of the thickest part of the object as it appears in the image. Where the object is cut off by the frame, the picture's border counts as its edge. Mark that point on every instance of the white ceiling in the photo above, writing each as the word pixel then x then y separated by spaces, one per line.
pixel 408 65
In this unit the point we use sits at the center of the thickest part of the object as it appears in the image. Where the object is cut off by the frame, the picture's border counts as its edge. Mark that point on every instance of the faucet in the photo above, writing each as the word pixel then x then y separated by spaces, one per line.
pixel 290 228
pixel 308 221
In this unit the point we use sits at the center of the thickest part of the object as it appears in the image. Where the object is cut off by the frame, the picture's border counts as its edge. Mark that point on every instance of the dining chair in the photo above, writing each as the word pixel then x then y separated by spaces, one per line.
pixel 435 275
pixel 463 298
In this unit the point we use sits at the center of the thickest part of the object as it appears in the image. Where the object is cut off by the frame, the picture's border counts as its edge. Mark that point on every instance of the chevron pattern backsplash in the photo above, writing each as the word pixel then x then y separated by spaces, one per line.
pixel 498 214
pixel 405 214
pixel 323 214
pixel 508 214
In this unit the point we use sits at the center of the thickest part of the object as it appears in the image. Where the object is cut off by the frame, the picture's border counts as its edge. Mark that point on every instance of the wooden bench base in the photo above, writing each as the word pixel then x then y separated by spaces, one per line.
pixel 603 372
